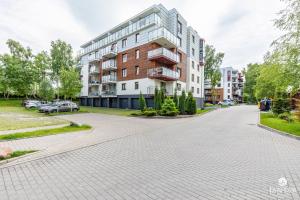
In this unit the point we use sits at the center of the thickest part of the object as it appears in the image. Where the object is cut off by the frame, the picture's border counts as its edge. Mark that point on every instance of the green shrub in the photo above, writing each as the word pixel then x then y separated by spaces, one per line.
pixel 285 116
pixel 136 114
pixel 182 103
pixel 157 99
pixel 280 105
pixel 169 108
pixel 190 105
pixel 150 112
pixel 142 102
pixel 175 98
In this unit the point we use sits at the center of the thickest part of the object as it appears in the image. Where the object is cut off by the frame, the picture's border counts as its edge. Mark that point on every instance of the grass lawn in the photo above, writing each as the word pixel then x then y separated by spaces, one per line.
pixel 201 112
pixel 268 119
pixel 109 111
pixel 17 154
pixel 10 103
pixel 45 132
pixel 12 118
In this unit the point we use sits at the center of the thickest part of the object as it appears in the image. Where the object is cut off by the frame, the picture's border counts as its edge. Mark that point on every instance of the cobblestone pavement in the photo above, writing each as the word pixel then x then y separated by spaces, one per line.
pixel 221 155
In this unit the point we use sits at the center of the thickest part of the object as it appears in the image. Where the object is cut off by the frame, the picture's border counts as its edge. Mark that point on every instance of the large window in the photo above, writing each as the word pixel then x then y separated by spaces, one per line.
pixel 124 58
pixel 180 41
pixel 179 27
pixel 198 90
pixel 124 43
pixel 179 72
pixel 193 39
pixel 193 89
pixel 137 70
pixel 137 37
pixel 123 86
pixel 198 79
pixel 136 85
pixel 137 54
pixel 193 64
pixel 193 77
pixel 124 72
pixel 178 86
pixel 193 51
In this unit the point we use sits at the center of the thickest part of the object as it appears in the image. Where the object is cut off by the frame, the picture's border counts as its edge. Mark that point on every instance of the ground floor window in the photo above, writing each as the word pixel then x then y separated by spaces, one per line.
pixel 136 85
pixel 123 86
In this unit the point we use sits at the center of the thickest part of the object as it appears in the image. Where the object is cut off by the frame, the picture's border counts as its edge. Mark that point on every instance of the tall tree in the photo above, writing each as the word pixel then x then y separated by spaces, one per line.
pixel 70 83
pixel 17 68
pixel 61 58
pixel 213 61
pixel 251 74
pixel 46 91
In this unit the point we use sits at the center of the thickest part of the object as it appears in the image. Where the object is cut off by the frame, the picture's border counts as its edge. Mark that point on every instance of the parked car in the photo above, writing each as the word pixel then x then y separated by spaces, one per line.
pixel 64 106
pixel 226 102
pixel 29 104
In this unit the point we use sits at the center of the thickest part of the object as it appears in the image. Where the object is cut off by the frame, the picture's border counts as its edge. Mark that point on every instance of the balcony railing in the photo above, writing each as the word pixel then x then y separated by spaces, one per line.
pixel 109 93
pixel 163 73
pixel 164 55
pixel 94 82
pixel 109 79
pixel 94 71
pixel 94 94
pixel 109 52
pixel 163 37
pixel 109 65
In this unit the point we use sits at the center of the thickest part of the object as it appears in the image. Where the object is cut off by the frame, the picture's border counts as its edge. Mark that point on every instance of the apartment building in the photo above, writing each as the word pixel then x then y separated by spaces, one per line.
pixel 154 49
pixel 229 87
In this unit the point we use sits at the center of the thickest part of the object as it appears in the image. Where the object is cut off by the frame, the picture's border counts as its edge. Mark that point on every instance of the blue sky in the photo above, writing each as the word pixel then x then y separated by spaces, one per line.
pixel 242 29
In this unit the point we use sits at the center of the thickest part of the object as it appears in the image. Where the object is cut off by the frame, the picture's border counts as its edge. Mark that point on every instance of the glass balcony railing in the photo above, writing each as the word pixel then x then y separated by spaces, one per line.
pixel 163 52
pixel 109 64
pixel 163 33
pixel 109 78
pixel 109 51
pixel 109 93
pixel 163 73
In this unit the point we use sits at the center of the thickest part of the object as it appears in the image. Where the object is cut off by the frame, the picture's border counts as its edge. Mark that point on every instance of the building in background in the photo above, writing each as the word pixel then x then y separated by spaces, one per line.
pixel 154 49
pixel 229 87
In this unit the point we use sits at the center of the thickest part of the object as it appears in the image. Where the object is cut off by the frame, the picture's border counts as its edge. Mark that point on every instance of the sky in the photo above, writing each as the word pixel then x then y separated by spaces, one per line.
pixel 242 29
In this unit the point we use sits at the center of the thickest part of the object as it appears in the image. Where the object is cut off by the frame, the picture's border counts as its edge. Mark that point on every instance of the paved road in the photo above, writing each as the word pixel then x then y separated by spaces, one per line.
pixel 221 155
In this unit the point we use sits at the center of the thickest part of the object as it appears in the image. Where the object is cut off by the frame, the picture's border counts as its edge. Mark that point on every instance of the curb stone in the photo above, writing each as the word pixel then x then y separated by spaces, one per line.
pixel 277 131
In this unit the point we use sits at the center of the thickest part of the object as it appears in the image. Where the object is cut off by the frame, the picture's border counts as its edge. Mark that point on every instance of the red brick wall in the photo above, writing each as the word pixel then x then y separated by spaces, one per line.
pixel 143 63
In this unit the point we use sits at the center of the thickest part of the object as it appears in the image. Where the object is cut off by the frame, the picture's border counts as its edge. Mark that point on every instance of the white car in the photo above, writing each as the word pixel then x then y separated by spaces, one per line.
pixel 32 104
pixel 226 102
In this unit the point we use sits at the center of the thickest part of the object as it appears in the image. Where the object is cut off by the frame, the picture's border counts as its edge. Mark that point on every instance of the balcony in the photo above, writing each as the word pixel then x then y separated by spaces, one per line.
pixel 109 52
pixel 163 55
pixel 109 79
pixel 94 83
pixel 109 65
pixel 94 58
pixel 94 94
pixel 109 93
pixel 163 37
pixel 94 71
pixel 163 73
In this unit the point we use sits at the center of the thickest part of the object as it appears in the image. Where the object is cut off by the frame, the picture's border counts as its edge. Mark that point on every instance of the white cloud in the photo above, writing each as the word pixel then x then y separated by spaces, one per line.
pixel 243 30
pixel 37 23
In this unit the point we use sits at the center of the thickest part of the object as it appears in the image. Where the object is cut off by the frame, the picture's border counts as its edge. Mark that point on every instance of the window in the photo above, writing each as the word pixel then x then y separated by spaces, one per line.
pixel 198 67
pixel 137 54
pixel 192 90
pixel 124 43
pixel 137 70
pixel 179 27
pixel 228 90
pixel 124 58
pixel 193 64
pixel 198 90
pixel 178 85
pixel 136 85
pixel 193 39
pixel 137 37
pixel 219 85
pixel 228 84
pixel 180 41
pixel 193 51
pixel 124 72
pixel 179 72
pixel 228 96
pixel 180 57
pixel 123 86
pixel 193 77
pixel 198 79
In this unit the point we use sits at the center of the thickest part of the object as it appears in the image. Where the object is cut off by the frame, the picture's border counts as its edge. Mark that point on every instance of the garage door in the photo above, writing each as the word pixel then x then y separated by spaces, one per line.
pixel 123 103
pixel 135 103
pixel 104 102
pixel 150 102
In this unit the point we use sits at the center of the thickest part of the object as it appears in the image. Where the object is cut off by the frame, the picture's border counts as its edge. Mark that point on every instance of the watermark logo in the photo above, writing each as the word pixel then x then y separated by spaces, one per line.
pixel 283 187
pixel 282 182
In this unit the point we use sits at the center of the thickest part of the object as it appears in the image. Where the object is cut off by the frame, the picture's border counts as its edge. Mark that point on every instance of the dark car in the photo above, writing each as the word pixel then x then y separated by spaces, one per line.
pixel 60 107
